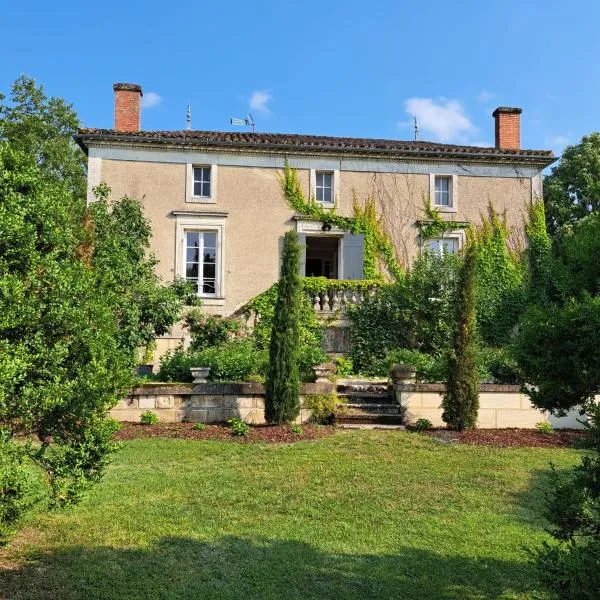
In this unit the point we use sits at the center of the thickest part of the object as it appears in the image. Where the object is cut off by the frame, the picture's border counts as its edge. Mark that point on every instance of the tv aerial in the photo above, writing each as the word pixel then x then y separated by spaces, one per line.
pixel 247 122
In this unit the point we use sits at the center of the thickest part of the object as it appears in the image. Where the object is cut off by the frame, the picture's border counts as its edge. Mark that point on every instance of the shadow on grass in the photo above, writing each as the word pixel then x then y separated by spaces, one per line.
pixel 233 568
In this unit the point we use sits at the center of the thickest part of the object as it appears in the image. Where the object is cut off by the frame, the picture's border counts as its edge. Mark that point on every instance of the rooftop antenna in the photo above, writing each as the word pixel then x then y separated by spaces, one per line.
pixel 248 122
pixel 416 129
pixel 188 118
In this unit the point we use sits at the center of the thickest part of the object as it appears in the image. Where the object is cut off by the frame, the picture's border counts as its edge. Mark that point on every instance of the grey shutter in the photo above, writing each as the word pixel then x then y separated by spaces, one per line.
pixel 302 242
pixel 353 247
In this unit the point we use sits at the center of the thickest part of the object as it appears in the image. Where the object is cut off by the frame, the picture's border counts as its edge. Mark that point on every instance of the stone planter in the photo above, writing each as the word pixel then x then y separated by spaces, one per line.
pixel 402 374
pixel 323 372
pixel 200 374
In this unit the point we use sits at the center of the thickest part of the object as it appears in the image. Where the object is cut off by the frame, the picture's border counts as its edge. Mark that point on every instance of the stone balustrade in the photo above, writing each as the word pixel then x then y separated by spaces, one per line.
pixel 335 299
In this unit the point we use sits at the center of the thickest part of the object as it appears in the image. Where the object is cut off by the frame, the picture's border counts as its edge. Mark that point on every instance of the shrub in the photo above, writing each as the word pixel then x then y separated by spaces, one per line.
pixel 296 428
pixel 323 407
pixel 236 360
pixel 569 567
pixel 149 418
pixel 208 331
pixel 461 400
pixel 421 425
pixel 343 366
pixel 544 427
pixel 282 386
pixel 199 427
pixel 428 368
pixel 497 365
pixel 238 427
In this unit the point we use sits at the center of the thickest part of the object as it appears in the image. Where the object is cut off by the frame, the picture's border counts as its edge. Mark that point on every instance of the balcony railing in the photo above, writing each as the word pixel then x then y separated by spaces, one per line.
pixel 331 296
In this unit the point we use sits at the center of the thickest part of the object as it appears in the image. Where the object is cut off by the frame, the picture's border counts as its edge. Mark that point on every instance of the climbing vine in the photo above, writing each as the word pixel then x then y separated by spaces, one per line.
pixel 434 225
pixel 378 246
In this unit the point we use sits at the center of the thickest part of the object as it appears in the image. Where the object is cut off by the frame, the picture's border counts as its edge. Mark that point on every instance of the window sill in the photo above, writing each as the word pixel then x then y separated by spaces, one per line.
pixel 445 209
pixel 212 300
pixel 201 200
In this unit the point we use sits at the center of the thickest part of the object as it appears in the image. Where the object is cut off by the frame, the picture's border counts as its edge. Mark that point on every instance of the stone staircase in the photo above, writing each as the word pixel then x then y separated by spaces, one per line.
pixel 367 404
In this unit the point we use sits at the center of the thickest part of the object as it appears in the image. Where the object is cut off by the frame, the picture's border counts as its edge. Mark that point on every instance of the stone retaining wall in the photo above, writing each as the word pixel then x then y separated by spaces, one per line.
pixel 499 406
pixel 205 402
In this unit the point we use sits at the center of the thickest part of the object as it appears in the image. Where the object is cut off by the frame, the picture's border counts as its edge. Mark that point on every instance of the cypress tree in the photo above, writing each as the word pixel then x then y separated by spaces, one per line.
pixel 461 401
pixel 282 388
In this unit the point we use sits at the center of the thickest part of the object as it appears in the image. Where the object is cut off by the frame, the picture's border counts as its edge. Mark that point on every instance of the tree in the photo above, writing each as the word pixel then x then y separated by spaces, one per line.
pixel 78 297
pixel 282 388
pixel 461 400
pixel 572 190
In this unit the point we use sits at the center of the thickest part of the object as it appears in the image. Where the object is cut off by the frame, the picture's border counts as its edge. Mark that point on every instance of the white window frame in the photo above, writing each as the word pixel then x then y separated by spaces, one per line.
pixel 190 197
pixel 453 191
pixel 456 234
pixel 335 180
pixel 211 224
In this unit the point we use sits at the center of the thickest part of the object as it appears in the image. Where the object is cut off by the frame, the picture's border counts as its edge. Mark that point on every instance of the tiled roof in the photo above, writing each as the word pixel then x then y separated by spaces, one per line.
pixel 310 143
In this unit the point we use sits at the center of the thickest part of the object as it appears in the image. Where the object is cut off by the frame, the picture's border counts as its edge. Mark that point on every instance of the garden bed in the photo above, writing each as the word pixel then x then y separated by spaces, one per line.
pixel 509 438
pixel 256 433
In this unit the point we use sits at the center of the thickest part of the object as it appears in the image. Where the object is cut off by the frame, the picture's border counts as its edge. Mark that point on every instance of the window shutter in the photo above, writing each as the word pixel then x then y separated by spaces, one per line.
pixel 353 255
pixel 302 242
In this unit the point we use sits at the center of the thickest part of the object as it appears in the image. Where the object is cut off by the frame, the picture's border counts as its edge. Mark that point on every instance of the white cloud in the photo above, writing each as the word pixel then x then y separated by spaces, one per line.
pixel 259 101
pixel 558 142
pixel 443 119
pixel 484 96
pixel 151 99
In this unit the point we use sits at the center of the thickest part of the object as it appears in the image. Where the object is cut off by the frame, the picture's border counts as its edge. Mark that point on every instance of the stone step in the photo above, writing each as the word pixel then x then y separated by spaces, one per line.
pixel 367 409
pixel 370 419
pixel 366 397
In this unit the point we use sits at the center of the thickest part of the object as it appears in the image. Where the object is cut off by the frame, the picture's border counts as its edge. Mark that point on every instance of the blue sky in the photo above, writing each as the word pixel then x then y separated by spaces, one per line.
pixel 329 67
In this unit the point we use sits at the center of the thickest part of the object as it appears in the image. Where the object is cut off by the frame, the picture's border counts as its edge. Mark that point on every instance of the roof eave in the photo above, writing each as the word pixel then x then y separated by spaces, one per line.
pixel 82 138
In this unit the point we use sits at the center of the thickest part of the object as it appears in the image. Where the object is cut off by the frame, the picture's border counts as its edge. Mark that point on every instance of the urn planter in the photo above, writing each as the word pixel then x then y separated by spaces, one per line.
pixel 323 372
pixel 200 374
pixel 402 374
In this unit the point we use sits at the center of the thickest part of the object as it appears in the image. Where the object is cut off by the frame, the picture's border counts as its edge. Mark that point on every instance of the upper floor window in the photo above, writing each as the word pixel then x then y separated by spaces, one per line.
pixel 202 182
pixel 324 187
pixel 443 191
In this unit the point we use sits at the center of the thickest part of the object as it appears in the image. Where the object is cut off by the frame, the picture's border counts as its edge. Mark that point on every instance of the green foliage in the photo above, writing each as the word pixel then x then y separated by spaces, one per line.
pixel 428 367
pixel 323 406
pixel 236 360
pixel 544 427
pixel 296 428
pixel 238 427
pixel 17 486
pixel 498 365
pixel 461 400
pixel 572 190
pixel 78 299
pixel 499 287
pixel 343 366
pixel 378 246
pixel 540 263
pixel 557 350
pixel 421 425
pixel 435 226
pixel 570 566
pixel 199 427
pixel 415 313
pixel 282 386
pixel 148 418
pixel 210 330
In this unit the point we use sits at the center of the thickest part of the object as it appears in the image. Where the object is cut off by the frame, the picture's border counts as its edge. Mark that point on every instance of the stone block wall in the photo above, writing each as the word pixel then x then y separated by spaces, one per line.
pixel 205 402
pixel 500 406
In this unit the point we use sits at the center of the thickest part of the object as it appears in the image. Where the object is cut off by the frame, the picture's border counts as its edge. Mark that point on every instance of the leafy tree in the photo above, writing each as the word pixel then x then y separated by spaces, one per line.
pixel 572 190
pixel 78 297
pixel 461 401
pixel 43 127
pixel 282 388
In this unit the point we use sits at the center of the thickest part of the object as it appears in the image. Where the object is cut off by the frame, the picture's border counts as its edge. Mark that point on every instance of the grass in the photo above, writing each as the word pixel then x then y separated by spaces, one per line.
pixel 361 514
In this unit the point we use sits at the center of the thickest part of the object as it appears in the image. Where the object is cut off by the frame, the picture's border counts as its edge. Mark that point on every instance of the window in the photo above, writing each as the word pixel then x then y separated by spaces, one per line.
pixel 201 261
pixel 201 182
pixel 324 187
pixel 443 191
pixel 441 246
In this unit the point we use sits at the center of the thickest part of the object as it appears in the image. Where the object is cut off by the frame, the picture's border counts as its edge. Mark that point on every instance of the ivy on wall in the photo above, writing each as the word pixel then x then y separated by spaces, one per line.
pixel 434 225
pixel 378 247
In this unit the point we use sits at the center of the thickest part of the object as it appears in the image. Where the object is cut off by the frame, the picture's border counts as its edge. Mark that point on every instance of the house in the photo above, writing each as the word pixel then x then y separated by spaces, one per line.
pixel 218 214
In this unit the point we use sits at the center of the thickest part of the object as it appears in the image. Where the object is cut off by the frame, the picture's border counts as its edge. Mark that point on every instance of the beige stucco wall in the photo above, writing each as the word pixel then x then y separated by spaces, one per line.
pixel 258 216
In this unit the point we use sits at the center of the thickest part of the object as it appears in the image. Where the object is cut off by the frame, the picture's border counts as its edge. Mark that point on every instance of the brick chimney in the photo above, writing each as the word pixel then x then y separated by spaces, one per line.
pixel 508 127
pixel 128 98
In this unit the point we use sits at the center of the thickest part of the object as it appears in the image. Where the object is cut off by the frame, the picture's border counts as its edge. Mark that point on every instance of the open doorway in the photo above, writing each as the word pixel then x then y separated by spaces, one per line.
pixel 322 257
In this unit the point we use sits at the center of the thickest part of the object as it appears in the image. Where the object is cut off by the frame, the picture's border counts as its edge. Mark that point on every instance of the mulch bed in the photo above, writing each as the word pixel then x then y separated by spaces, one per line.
pixel 509 438
pixel 257 433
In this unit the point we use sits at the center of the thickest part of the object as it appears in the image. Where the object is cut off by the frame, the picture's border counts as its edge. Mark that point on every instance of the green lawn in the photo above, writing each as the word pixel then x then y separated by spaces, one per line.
pixel 362 514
